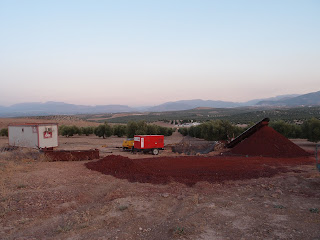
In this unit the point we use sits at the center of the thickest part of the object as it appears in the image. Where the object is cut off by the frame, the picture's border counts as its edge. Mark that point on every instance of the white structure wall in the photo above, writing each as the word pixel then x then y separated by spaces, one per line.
pixel 46 142
pixel 33 135
pixel 23 136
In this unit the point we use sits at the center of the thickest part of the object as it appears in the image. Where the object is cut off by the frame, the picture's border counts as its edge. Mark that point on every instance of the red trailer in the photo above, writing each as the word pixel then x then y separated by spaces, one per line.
pixel 147 143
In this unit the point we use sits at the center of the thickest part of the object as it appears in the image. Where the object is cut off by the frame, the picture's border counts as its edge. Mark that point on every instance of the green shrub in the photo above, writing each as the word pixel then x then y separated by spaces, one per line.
pixel 213 130
pixel 103 130
pixel 4 132
pixel 119 130
pixel 69 131
pixel 311 129
pixel 183 131
pixel 286 129
pixel 142 128
pixel 131 129
pixel 87 130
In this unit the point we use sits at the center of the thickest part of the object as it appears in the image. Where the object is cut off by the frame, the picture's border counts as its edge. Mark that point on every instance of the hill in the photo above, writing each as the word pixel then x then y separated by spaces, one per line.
pixel 310 99
pixel 61 108
pixel 191 104
pixel 58 108
pixel 195 103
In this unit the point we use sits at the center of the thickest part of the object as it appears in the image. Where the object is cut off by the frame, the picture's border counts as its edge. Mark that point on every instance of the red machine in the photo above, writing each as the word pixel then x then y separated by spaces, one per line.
pixel 147 143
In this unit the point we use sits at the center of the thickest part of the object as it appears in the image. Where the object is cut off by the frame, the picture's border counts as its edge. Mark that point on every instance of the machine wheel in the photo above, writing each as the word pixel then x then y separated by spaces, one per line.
pixel 155 151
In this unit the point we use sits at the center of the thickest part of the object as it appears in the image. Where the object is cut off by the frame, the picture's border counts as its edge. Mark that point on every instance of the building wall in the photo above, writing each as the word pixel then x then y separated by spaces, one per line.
pixel 48 136
pixel 23 136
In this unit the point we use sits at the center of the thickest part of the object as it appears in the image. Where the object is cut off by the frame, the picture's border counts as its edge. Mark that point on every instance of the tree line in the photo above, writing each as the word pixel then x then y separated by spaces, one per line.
pixel 212 130
pixel 106 130
pixel 215 130
pixel 310 129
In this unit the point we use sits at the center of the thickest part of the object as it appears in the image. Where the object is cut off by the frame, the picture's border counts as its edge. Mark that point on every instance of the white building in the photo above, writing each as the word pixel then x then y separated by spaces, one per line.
pixel 34 135
pixel 187 125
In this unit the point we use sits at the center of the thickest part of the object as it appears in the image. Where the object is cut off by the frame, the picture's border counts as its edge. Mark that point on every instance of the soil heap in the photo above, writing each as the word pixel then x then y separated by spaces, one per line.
pixel 192 169
pixel 264 154
pixel 120 167
pixel 268 143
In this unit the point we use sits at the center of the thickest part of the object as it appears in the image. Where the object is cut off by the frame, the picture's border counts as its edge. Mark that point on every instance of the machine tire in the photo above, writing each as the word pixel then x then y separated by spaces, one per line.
pixel 155 151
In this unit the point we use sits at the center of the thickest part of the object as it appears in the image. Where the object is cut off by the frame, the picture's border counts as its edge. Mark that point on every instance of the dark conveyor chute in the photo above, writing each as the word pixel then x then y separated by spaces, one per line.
pixel 248 132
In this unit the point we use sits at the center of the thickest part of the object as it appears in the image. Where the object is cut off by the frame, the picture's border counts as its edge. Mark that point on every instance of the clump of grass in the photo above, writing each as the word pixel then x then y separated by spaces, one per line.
pixel 20 186
pixel 64 228
pixel 314 210
pixel 73 221
pixel 82 217
pixel 66 224
pixel 15 160
pixel 279 206
pixel 5 205
pixel 179 231
pixel 23 154
pixel 122 207
pixel 82 226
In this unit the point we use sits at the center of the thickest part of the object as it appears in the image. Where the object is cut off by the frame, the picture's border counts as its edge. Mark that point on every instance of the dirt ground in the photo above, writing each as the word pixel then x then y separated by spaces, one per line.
pixel 66 200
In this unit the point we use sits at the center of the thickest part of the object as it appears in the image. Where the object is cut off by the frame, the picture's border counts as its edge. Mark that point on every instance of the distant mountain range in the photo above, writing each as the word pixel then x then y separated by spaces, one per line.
pixel 58 108
pixel 61 108
pixel 190 104
pixel 310 99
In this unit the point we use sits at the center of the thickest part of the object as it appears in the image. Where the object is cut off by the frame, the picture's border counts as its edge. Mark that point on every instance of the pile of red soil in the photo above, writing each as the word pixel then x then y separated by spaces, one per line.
pixel 268 143
pixel 72 155
pixel 190 170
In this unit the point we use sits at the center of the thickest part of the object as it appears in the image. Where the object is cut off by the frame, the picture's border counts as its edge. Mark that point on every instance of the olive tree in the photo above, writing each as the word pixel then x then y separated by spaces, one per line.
pixel 4 132
pixel 119 130
pixel 103 130
pixel 311 129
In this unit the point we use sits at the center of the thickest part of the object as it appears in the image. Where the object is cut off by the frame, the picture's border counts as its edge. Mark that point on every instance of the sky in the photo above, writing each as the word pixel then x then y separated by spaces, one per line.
pixel 144 53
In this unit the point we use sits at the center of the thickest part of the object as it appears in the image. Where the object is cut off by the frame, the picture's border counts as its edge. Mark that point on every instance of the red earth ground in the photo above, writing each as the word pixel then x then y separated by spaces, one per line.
pixel 275 153
pixel 192 169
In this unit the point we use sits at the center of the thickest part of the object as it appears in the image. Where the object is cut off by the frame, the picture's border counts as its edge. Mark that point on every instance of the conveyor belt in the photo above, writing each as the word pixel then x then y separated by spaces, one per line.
pixel 248 133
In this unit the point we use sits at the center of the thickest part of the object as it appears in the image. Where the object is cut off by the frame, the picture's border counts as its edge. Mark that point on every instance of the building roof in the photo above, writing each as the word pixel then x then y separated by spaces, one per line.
pixel 31 124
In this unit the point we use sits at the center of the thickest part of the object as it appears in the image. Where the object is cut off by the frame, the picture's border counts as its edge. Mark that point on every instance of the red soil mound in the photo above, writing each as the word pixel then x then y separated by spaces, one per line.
pixel 268 143
pixel 190 170
pixel 120 167
pixel 72 155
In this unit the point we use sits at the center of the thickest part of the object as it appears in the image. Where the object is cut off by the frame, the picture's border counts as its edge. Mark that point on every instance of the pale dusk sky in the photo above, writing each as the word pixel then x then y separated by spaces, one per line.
pixel 150 52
